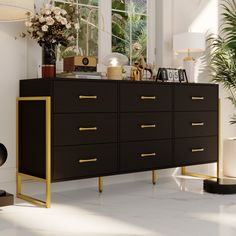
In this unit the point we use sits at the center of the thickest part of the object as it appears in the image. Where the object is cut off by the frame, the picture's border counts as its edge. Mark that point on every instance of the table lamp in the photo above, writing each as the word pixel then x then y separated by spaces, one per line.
pixel 114 63
pixel 15 10
pixel 189 42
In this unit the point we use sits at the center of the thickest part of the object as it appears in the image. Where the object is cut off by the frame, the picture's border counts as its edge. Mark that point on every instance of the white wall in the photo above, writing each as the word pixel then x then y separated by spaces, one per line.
pixel 12 69
pixel 203 18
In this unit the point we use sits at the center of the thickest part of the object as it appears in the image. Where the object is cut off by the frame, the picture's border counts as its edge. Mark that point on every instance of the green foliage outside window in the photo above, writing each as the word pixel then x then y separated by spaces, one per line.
pixel 129 28
pixel 86 44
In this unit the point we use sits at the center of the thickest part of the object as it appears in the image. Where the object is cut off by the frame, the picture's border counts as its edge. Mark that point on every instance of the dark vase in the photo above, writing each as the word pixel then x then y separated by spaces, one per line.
pixel 48 60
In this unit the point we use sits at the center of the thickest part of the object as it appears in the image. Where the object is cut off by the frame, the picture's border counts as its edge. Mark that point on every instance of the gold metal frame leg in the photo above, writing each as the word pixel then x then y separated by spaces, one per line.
pixel 100 184
pixel 154 177
pixel 195 174
pixel 35 201
pixel 47 179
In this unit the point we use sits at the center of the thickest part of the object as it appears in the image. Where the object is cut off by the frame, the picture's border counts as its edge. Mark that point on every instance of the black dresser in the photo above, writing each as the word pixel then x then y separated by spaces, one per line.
pixel 100 127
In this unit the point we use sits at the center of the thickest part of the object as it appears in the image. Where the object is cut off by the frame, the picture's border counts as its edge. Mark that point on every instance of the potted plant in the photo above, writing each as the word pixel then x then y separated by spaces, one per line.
pixel 223 71
pixel 50 27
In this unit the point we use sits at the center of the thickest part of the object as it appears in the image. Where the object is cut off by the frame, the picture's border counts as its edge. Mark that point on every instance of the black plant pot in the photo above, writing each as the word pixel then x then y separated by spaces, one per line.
pixel 49 60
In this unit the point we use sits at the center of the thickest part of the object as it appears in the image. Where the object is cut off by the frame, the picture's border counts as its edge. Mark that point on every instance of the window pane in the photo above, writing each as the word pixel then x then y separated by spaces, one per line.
pixel 129 28
pixel 87 37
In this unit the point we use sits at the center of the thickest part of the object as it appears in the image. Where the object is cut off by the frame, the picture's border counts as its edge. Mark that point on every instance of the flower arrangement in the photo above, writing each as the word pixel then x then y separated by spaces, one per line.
pixel 52 25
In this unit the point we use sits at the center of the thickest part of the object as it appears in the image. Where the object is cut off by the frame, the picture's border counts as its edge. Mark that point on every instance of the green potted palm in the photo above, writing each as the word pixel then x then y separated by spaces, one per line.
pixel 223 52
pixel 223 71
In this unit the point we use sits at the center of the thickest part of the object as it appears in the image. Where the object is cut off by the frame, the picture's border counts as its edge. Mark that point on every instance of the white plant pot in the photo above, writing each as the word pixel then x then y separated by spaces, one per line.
pixel 229 157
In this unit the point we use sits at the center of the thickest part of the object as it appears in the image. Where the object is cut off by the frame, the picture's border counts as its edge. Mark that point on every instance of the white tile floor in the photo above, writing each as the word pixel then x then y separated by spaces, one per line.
pixel 175 206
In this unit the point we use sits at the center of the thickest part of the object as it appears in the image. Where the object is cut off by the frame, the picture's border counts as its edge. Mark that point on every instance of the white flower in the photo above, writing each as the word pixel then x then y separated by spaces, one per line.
pixel 63 12
pixel 68 26
pixel 63 21
pixel 57 11
pixel 77 26
pixel 28 24
pixel 44 28
pixel 58 18
pixel 49 20
pixel 48 12
pixel 41 19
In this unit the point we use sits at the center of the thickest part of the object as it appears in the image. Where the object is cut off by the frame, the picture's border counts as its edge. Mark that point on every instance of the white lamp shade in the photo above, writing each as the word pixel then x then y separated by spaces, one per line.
pixel 115 57
pixel 15 10
pixel 189 41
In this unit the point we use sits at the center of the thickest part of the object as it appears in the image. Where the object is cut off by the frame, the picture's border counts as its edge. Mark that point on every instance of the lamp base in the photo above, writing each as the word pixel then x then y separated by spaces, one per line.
pixel 220 186
pixel 189 65
pixel 2 193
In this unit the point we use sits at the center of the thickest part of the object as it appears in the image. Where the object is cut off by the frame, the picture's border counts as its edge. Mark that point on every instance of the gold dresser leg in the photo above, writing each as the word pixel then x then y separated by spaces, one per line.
pixel 183 170
pixel 100 184
pixel 154 177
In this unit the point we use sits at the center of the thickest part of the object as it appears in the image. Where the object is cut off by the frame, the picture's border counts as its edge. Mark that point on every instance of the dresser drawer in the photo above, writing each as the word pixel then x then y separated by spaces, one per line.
pixel 84 161
pixel 70 96
pixel 145 97
pixel 74 129
pixel 145 155
pixel 145 126
pixel 193 124
pixel 195 97
pixel 191 151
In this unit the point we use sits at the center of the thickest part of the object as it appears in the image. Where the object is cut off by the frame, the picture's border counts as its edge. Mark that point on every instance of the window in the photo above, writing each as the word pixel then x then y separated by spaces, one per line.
pixel 114 26
pixel 86 42
pixel 129 28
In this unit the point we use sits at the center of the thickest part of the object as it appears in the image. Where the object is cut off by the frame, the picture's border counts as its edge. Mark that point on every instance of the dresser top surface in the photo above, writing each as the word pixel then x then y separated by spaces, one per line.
pixel 117 81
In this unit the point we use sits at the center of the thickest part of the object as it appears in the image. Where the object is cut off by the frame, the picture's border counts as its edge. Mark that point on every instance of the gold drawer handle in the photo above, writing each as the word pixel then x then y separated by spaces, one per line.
pixel 198 124
pixel 198 150
pixel 87 97
pixel 147 126
pixel 148 154
pixel 148 97
pixel 198 98
pixel 88 128
pixel 88 160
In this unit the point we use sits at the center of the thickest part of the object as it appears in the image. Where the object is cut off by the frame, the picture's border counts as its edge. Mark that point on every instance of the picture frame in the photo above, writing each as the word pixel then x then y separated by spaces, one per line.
pixel 172 75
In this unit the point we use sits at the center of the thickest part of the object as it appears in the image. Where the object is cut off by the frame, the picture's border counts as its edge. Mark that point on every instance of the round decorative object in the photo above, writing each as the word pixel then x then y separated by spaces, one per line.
pixel 85 61
pixel 220 186
pixel 3 154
